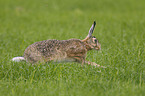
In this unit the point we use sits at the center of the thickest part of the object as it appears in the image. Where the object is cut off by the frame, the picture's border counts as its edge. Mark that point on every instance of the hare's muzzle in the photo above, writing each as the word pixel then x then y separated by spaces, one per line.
pixel 98 47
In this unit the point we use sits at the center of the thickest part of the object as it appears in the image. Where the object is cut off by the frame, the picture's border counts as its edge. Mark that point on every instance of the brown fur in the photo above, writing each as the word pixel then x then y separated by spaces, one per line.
pixel 72 50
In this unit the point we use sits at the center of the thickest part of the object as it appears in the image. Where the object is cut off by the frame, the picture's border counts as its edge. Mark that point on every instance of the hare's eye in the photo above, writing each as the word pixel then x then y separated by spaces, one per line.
pixel 95 41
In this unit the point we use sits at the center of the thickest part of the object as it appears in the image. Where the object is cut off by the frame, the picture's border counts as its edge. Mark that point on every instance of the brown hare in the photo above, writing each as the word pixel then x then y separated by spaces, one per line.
pixel 72 50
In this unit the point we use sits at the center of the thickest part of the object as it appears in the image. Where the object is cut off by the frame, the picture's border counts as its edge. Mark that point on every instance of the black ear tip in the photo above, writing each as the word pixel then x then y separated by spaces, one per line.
pixel 94 22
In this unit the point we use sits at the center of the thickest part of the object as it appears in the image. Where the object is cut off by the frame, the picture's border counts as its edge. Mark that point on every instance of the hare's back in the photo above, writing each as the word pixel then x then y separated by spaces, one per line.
pixel 46 47
pixel 52 45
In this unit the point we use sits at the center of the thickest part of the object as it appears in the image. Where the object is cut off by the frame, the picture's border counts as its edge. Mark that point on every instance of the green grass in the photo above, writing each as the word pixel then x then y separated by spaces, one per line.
pixel 120 30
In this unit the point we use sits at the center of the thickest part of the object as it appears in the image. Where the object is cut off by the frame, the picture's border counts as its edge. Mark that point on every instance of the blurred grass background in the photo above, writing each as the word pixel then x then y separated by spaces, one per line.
pixel 120 30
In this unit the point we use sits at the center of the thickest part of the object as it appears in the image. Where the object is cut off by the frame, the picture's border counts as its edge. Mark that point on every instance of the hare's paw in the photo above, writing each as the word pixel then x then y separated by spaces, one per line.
pixel 97 65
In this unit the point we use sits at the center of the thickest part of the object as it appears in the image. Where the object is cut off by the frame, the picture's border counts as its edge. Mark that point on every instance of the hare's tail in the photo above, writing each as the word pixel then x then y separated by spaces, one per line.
pixel 18 59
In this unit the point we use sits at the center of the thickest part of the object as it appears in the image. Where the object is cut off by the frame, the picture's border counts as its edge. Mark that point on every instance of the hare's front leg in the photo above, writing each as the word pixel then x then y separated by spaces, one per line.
pixel 93 64
pixel 80 60
pixel 83 61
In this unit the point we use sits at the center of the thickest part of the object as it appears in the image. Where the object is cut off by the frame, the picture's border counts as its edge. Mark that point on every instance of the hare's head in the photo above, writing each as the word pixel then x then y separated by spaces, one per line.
pixel 91 41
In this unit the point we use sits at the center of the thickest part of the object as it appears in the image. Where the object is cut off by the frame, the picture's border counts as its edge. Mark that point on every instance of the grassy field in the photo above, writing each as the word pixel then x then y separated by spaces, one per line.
pixel 120 30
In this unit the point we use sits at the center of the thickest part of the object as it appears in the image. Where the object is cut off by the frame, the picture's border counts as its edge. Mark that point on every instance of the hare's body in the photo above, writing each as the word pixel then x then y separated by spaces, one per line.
pixel 73 50
pixel 55 50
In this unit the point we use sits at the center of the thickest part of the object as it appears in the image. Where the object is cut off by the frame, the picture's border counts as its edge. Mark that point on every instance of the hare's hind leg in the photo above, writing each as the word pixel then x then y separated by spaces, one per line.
pixel 33 56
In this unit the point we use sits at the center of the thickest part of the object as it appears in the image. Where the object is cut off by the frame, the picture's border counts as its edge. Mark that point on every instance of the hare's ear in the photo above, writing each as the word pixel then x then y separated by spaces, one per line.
pixel 90 31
